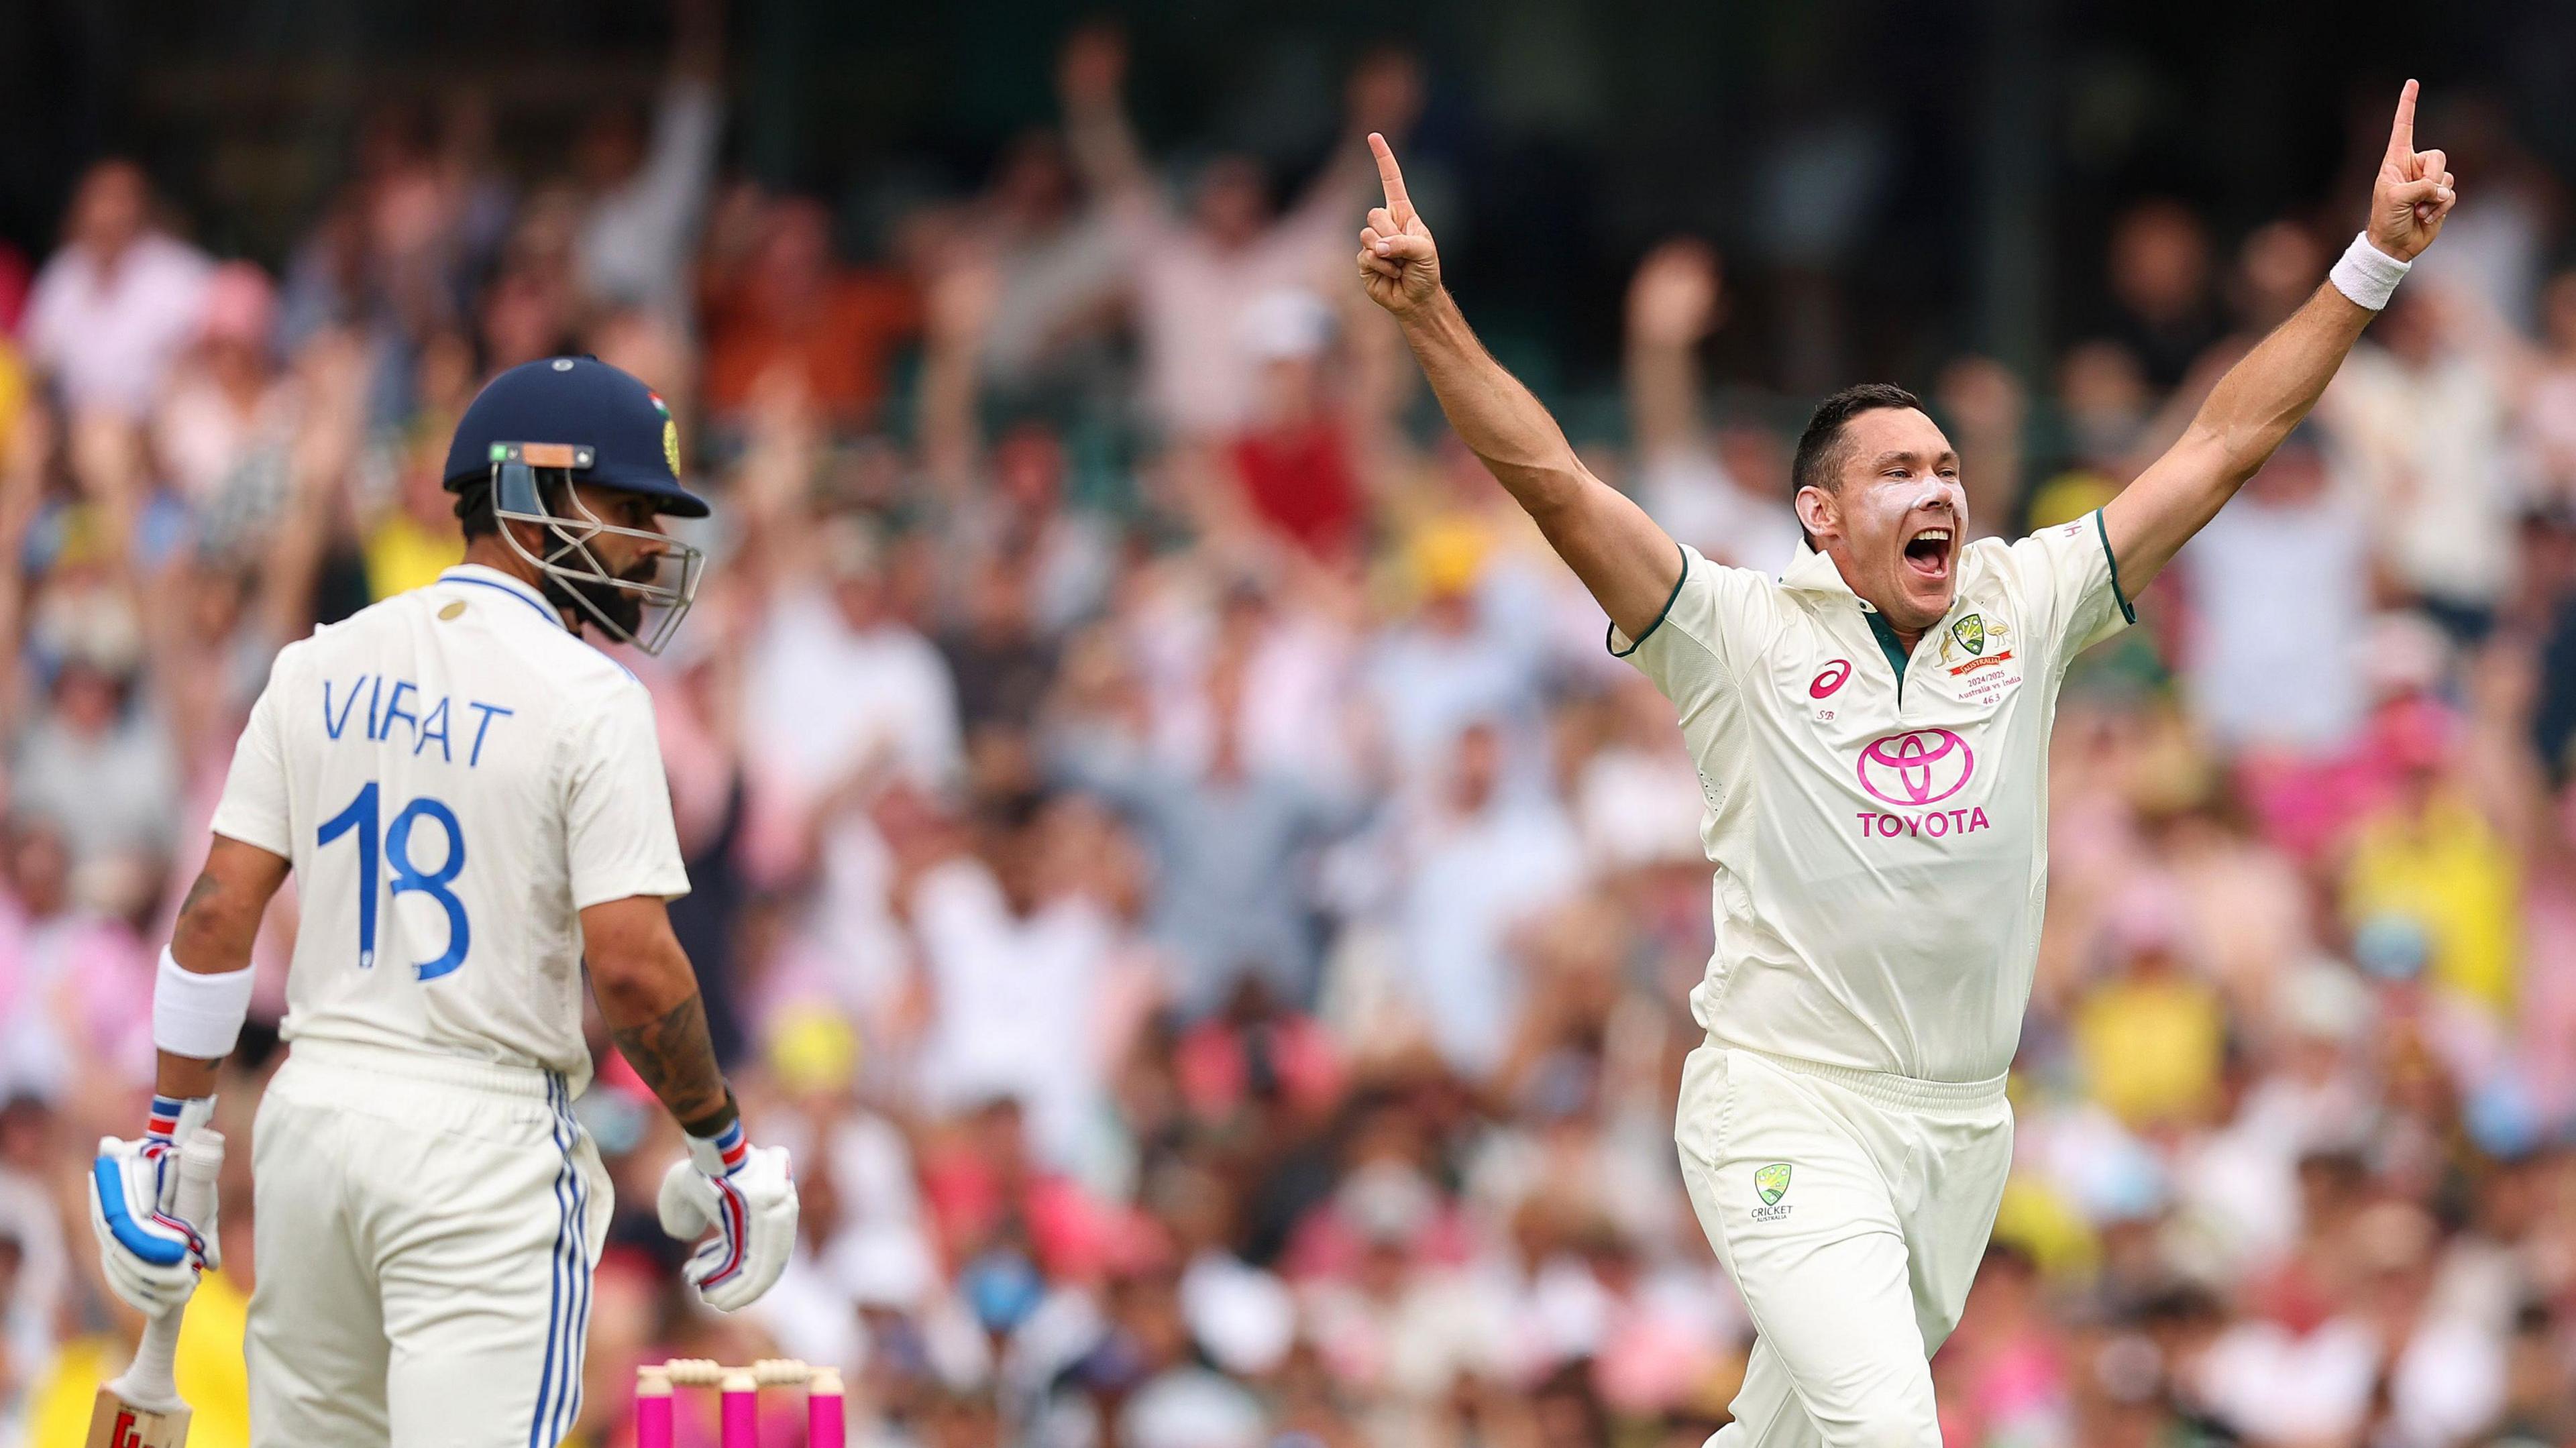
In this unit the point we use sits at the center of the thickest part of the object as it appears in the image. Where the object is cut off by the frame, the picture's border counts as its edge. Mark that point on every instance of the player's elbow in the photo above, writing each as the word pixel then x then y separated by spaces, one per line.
pixel 219 919
pixel 1557 487
pixel 212 922
pixel 2234 450
pixel 637 967
pixel 638 985
pixel 2209 444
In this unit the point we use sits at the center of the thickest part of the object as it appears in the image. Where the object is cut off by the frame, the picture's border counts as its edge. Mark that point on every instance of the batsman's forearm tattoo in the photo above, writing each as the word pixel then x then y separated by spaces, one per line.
pixel 674 1055
pixel 198 892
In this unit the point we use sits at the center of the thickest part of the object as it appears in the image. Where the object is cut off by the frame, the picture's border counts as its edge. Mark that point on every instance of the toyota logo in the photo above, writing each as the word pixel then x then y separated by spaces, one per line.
pixel 1916 767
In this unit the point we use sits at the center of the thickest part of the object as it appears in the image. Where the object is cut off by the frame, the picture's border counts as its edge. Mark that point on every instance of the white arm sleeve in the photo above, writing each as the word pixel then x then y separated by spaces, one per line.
pixel 255 805
pixel 618 833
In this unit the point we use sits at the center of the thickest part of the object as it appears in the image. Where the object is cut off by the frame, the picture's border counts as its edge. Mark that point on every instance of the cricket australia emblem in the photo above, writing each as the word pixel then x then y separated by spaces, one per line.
pixel 1985 643
pixel 1771 1183
pixel 1971 633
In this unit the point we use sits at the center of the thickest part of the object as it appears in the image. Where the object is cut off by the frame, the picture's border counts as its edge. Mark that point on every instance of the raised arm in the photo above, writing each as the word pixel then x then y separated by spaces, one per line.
pixel 2262 397
pixel 1609 542
pixel 1672 306
pixel 1090 73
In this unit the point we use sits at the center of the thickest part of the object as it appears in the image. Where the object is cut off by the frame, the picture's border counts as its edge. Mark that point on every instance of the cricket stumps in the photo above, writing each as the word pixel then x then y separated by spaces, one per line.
pixel 738 1406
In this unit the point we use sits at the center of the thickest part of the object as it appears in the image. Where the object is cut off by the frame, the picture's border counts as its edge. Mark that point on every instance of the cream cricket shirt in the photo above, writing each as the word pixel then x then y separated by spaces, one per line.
pixel 1880 843
pixel 454 776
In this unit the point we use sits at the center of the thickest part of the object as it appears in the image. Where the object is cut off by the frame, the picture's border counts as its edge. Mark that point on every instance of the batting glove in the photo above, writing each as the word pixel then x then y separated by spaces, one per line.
pixel 151 1257
pixel 746 1194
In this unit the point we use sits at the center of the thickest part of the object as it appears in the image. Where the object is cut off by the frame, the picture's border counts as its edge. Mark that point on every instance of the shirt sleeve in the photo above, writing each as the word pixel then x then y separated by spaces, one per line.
pixel 957 911
pixel 255 808
pixel 618 832
pixel 1717 620
pixel 43 324
pixel 2071 585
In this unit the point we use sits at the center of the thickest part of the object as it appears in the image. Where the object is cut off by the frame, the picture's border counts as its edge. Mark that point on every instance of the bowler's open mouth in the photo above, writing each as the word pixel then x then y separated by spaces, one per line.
pixel 1928 552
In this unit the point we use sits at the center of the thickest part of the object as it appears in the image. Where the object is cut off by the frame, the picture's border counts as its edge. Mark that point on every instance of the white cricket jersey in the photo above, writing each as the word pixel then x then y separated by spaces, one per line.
pixel 1881 849
pixel 454 775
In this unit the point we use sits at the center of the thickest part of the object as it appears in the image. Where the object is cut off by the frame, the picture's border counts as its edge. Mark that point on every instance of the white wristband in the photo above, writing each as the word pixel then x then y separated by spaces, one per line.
pixel 198 1016
pixel 2366 274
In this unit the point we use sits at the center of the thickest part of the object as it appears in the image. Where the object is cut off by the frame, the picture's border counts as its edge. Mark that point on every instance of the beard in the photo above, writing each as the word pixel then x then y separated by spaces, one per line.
pixel 598 598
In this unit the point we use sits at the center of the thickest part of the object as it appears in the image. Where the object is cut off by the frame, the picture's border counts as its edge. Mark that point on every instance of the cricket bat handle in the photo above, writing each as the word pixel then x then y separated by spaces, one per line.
pixel 150 1383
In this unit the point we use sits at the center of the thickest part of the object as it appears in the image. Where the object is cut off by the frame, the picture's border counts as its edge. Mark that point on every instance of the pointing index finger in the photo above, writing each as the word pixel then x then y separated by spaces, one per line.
pixel 2401 133
pixel 1391 176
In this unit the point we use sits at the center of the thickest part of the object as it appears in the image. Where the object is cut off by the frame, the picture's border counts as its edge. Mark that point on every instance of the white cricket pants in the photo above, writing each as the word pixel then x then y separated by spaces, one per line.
pixel 426 1231
pixel 1855 1261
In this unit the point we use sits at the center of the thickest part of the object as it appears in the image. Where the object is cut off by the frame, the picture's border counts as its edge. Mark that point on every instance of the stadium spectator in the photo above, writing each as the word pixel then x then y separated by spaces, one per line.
pixel 840 686
pixel 2421 417
pixel 2160 279
pixel 1211 260
pixel 1674 302
pixel 1293 457
pixel 225 405
pixel 785 313
pixel 646 195
pixel 115 306
pixel 1049 226
pixel 2280 605
pixel 1482 860
pixel 1225 836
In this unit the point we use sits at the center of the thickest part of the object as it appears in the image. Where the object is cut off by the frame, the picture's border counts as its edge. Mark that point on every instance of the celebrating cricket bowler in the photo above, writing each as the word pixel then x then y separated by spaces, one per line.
pixel 1871 729
pixel 472 801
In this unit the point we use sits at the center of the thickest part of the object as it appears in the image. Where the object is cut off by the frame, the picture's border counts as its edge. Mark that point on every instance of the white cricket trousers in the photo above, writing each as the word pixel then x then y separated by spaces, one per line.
pixel 1852 1209
pixel 426 1231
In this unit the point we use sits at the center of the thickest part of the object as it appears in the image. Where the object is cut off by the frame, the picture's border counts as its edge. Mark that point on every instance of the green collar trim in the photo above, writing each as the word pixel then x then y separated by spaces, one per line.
pixel 2128 610
pixel 1888 644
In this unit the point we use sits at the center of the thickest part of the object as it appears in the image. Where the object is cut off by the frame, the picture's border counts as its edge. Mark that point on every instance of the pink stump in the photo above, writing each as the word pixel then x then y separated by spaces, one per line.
pixel 653 1419
pixel 824 1425
pixel 741 1413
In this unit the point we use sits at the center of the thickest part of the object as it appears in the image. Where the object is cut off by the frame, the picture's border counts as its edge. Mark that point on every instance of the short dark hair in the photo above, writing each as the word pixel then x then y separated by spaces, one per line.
pixel 1819 460
pixel 474 516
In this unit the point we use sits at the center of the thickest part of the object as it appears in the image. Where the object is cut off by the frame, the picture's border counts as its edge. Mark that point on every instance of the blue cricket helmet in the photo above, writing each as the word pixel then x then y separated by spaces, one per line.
pixel 618 431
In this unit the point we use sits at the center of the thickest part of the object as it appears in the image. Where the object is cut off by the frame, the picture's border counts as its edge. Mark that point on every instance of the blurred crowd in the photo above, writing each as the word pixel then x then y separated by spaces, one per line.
pixel 1174 861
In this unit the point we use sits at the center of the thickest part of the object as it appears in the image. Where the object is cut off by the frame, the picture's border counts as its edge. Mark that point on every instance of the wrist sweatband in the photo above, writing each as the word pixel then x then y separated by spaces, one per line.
pixel 722 1154
pixel 198 1016
pixel 2366 274
pixel 175 1116
pixel 163 1124
pixel 715 1123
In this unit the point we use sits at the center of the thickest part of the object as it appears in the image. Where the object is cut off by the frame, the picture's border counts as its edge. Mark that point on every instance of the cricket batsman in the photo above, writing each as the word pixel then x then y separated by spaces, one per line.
pixel 1871 729
pixel 472 801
